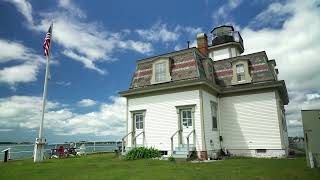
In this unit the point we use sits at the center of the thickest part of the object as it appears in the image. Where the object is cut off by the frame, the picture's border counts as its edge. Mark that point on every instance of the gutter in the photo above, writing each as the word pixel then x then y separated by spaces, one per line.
pixel 168 86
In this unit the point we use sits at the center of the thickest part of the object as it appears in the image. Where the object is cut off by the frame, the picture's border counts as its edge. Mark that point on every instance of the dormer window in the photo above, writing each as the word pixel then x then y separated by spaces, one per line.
pixel 240 72
pixel 161 70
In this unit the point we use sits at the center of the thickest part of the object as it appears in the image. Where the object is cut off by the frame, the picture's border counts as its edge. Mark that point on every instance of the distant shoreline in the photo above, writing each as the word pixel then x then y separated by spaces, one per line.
pixel 6 143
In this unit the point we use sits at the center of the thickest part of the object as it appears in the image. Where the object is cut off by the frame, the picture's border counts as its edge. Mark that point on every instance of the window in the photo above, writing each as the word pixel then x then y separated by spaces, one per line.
pixel 160 72
pixel 138 119
pixel 214 115
pixel 240 72
pixel 186 117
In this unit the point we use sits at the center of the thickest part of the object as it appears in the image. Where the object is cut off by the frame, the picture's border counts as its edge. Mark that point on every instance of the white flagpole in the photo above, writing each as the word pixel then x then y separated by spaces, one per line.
pixel 40 141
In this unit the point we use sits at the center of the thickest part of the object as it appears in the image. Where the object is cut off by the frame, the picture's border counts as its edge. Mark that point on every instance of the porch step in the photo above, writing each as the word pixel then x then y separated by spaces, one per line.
pixel 181 151
pixel 180 156
pixel 184 148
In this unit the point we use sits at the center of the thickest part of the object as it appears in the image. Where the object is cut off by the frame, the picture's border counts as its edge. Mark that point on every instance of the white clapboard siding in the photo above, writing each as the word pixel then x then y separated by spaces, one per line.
pixel 161 119
pixel 250 121
pixel 210 134
pixel 285 140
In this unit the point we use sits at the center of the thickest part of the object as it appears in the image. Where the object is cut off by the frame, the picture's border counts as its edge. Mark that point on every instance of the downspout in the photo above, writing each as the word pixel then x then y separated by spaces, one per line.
pixel 219 116
pixel 203 137
pixel 127 109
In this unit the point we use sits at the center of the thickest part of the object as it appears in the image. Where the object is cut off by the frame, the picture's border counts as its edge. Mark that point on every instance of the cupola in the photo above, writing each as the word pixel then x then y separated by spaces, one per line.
pixel 226 43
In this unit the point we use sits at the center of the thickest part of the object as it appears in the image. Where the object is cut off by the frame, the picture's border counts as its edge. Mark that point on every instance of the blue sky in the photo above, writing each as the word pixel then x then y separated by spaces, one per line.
pixel 95 46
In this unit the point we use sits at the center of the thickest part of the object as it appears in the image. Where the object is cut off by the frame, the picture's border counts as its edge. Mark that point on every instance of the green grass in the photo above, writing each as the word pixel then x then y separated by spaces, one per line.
pixel 107 166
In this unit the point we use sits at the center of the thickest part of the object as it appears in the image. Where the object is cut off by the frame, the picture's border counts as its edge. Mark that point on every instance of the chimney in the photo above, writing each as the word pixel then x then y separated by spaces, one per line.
pixel 202 43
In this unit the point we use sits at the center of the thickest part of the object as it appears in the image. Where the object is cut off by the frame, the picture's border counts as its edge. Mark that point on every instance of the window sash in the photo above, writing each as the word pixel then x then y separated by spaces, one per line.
pixel 240 68
pixel 240 72
pixel 138 117
pixel 186 117
pixel 240 77
pixel 160 72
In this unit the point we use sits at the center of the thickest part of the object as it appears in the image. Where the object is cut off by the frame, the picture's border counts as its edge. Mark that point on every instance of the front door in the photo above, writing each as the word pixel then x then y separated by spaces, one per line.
pixel 186 125
pixel 139 123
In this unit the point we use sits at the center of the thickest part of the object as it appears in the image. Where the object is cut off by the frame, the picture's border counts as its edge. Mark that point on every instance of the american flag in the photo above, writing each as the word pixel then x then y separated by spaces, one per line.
pixel 46 43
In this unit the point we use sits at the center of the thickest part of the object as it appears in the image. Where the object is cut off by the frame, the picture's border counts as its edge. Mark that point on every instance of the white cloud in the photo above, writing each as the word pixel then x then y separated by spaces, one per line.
pixel 24 7
pixel 16 51
pixel 68 5
pixel 222 14
pixel 24 112
pixel 87 102
pixel 63 83
pixel 295 48
pixel 87 62
pixel 87 42
pixel 158 32
pixel 275 14
pixel 28 65
pixel 138 46
pixel 313 96
pixel 192 30
pixel 295 45
pixel 19 74
pixel 82 40
pixel 11 51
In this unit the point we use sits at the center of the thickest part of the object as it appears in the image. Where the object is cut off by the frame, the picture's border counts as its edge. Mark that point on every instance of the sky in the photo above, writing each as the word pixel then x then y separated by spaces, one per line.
pixel 95 45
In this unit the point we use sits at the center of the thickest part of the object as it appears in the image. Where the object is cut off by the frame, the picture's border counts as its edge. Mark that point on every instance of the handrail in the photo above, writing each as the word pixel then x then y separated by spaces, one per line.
pixel 122 147
pixel 233 34
pixel 179 130
pixel 193 131
pixel 134 139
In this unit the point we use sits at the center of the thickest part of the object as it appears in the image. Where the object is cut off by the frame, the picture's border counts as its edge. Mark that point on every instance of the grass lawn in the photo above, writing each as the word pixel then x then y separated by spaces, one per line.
pixel 107 166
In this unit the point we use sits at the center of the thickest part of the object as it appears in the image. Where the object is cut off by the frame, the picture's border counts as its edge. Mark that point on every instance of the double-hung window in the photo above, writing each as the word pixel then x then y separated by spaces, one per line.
pixel 214 115
pixel 186 117
pixel 240 72
pixel 160 72
pixel 138 119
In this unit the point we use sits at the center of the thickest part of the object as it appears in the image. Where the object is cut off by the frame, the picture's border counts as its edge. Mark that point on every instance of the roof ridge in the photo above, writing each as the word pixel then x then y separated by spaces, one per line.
pixel 173 52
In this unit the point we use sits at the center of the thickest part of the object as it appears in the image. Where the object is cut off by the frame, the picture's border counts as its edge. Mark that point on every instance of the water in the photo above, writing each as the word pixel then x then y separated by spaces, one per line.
pixel 25 151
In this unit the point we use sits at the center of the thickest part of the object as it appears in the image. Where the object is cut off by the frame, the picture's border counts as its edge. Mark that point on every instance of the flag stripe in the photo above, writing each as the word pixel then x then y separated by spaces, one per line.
pixel 47 40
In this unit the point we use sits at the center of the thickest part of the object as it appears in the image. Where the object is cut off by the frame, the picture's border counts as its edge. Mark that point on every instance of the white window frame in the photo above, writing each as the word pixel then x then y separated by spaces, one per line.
pixel 244 74
pixel 240 72
pixel 186 121
pixel 161 75
pixel 160 72
pixel 138 122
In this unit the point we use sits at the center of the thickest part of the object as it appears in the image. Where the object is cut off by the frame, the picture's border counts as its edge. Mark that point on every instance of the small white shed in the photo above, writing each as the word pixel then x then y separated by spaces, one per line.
pixel 311 129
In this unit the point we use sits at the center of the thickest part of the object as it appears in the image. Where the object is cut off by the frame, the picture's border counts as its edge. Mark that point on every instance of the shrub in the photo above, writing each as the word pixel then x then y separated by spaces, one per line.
pixel 142 153
pixel 171 159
